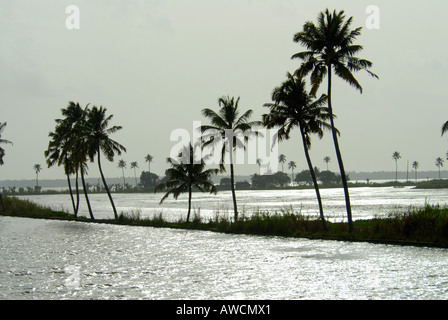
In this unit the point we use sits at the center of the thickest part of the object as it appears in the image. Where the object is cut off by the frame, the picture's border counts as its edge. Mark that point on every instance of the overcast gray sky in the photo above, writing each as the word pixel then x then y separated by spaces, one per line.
pixel 156 64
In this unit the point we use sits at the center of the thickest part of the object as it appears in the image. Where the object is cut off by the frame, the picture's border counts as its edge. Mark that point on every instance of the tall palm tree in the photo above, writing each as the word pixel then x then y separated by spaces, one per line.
pixel 99 142
pixel 2 154
pixel 327 160
pixel 282 160
pixel 122 166
pixel 292 165
pixel 37 168
pixel 293 107
pixel 439 164
pixel 186 175
pixel 227 122
pixel 58 152
pixel 330 48
pixel 415 165
pixel 134 165
pixel 149 159
pixel 396 156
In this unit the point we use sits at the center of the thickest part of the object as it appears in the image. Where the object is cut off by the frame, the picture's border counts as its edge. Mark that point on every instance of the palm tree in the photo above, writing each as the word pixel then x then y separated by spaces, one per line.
pixel 149 159
pixel 330 47
pixel 282 160
pixel 98 140
pixel 327 160
pixel 37 168
pixel 292 165
pixel 133 166
pixel 122 166
pixel 415 165
pixel 259 163
pixel 228 123
pixel 439 163
pixel 396 156
pixel 293 107
pixel 186 175
pixel 2 154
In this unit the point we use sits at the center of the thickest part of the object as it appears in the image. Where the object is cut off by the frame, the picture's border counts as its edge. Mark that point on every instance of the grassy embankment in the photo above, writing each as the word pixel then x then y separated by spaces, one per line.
pixel 425 227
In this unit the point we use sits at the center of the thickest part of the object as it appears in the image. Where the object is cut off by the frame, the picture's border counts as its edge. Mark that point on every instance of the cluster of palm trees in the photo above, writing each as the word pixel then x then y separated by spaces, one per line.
pixel 415 164
pixel 329 48
pixel 83 135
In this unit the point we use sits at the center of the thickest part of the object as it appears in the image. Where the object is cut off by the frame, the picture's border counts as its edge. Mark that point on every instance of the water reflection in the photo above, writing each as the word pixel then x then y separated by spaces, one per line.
pixel 121 262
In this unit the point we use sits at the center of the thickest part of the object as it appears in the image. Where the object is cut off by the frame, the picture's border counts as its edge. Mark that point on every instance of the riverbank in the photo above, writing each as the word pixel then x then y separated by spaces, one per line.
pixel 417 227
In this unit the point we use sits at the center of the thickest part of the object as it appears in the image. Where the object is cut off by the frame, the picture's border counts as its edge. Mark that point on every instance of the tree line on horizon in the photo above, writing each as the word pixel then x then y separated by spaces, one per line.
pixel 83 134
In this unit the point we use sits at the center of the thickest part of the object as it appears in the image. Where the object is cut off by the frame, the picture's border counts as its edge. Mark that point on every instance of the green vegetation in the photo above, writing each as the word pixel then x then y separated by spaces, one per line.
pixel 427 226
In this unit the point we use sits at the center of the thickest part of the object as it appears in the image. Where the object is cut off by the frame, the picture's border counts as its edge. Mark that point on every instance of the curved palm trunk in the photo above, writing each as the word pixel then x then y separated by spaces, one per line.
pixel 77 195
pixel 232 183
pixel 189 203
pixel 105 185
pixel 71 194
pixel 313 176
pixel 85 193
pixel 339 157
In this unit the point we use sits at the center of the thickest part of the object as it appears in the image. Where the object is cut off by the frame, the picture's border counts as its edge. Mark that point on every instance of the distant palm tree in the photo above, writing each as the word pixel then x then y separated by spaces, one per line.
pixel 293 107
pixel 327 160
pixel 149 159
pixel 439 164
pixel 2 154
pixel 133 166
pixel 37 168
pixel 282 160
pixel 330 48
pixel 259 163
pixel 415 165
pixel 122 166
pixel 229 122
pixel 99 142
pixel 185 175
pixel 396 155
pixel 292 165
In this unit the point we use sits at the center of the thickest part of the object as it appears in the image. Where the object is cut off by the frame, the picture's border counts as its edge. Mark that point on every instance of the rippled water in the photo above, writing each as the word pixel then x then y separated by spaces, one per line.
pixel 366 202
pixel 73 260
pixel 42 259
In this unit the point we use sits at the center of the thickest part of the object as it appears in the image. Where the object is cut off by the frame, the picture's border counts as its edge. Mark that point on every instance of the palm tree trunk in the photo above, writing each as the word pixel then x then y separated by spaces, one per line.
pixel 77 195
pixel 105 185
pixel 71 194
pixel 189 203
pixel 316 186
pixel 1 202
pixel 339 157
pixel 85 193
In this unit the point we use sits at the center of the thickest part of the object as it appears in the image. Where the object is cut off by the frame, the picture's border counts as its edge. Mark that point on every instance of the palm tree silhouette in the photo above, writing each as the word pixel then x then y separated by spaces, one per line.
pixel 37 168
pixel 2 154
pixel 282 160
pixel 292 165
pixel 186 174
pixel 330 47
pixel 415 165
pixel 293 107
pixel 149 159
pixel 122 166
pixel 227 123
pixel 439 164
pixel 133 166
pixel 327 160
pixel 396 156
pixel 259 163
pixel 99 142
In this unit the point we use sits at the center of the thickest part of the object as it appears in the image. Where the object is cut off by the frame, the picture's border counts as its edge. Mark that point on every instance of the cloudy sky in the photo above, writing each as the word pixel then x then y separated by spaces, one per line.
pixel 156 64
